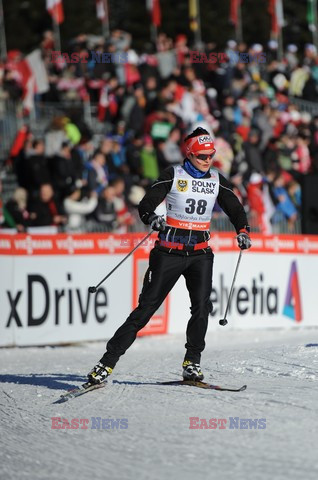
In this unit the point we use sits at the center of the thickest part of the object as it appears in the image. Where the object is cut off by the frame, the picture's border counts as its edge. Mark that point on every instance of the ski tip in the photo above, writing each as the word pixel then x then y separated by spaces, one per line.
pixel 60 400
pixel 244 387
pixel 76 392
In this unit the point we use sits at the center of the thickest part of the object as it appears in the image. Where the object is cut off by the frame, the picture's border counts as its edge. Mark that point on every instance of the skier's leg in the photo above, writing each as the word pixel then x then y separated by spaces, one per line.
pixel 163 272
pixel 198 278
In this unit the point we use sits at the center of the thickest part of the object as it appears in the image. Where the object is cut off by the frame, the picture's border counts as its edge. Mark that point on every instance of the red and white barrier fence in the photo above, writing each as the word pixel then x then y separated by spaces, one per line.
pixel 44 284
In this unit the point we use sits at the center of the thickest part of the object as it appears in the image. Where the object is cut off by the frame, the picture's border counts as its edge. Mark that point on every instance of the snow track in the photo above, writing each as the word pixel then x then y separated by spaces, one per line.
pixel 279 367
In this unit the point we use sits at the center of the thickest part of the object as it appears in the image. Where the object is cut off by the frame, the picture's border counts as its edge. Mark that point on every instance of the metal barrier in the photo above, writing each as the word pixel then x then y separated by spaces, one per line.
pixel 218 224
pixel 10 122
pixel 40 118
pixel 305 105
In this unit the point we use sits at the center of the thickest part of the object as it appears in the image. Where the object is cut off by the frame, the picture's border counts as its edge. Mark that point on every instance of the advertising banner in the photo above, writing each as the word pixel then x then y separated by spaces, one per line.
pixel 45 278
pixel 276 284
pixel 44 284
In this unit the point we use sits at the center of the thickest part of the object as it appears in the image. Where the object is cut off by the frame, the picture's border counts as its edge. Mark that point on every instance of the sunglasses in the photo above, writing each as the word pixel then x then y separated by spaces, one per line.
pixel 203 156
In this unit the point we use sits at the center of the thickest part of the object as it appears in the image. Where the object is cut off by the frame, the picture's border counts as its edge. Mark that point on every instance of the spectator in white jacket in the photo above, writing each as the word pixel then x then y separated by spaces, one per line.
pixel 77 206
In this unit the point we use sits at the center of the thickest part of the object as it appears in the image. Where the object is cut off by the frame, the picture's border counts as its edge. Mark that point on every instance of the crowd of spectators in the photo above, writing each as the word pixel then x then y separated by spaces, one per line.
pixel 75 188
pixel 75 179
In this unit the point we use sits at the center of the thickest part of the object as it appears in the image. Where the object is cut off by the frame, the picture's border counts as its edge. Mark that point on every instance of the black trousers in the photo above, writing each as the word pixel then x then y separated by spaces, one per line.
pixel 163 272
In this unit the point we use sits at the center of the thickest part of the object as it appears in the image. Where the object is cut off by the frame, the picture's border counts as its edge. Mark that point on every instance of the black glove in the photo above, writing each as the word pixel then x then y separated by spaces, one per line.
pixel 156 222
pixel 243 240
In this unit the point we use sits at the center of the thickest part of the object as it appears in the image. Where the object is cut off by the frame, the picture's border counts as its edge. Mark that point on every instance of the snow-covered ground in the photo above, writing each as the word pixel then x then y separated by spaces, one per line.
pixel 279 367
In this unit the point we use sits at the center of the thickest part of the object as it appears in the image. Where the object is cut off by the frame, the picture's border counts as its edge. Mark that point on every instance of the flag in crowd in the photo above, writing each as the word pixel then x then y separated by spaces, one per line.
pixel 100 10
pixel 193 15
pixel 38 71
pixel 156 13
pixel 32 75
pixel 153 6
pixel 276 11
pixel 234 11
pixel 107 101
pixel 55 9
pixel 103 103
pixel 312 15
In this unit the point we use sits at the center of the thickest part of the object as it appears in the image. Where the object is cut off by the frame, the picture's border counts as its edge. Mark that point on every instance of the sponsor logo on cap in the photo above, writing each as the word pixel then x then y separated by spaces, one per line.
pixel 204 139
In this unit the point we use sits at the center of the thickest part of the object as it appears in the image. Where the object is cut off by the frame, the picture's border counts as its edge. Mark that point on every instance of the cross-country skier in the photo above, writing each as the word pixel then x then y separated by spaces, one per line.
pixel 190 192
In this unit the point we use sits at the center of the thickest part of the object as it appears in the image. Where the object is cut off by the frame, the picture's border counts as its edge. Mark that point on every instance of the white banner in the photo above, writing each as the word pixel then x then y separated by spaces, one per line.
pixel 48 300
pixel 271 290
pixel 45 278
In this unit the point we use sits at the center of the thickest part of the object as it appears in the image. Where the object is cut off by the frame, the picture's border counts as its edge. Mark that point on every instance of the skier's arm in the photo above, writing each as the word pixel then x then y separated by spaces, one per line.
pixel 156 194
pixel 231 205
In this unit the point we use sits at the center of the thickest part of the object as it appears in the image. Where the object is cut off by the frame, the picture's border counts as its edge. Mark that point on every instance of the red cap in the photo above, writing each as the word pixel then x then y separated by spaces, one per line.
pixel 199 144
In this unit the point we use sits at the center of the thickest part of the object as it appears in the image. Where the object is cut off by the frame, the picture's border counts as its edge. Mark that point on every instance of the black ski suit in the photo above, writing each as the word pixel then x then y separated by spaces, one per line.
pixel 175 254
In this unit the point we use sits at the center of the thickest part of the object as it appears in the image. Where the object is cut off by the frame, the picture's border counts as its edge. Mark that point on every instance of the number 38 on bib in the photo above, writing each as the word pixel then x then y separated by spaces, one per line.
pixel 191 200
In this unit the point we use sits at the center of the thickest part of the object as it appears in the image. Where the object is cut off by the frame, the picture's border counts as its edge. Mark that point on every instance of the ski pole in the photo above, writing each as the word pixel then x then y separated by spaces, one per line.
pixel 94 289
pixel 224 321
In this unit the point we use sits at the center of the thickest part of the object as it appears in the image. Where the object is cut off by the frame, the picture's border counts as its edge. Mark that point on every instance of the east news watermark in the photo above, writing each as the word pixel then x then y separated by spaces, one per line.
pixel 196 56
pixel 93 423
pixel 231 423
pixel 89 56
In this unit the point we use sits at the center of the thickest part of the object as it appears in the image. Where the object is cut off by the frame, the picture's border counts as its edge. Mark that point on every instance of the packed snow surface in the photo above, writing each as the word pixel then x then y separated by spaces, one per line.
pixel 145 428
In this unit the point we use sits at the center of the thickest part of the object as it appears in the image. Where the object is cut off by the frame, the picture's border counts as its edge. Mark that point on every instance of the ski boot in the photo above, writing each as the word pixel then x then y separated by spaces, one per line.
pixel 99 373
pixel 192 371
